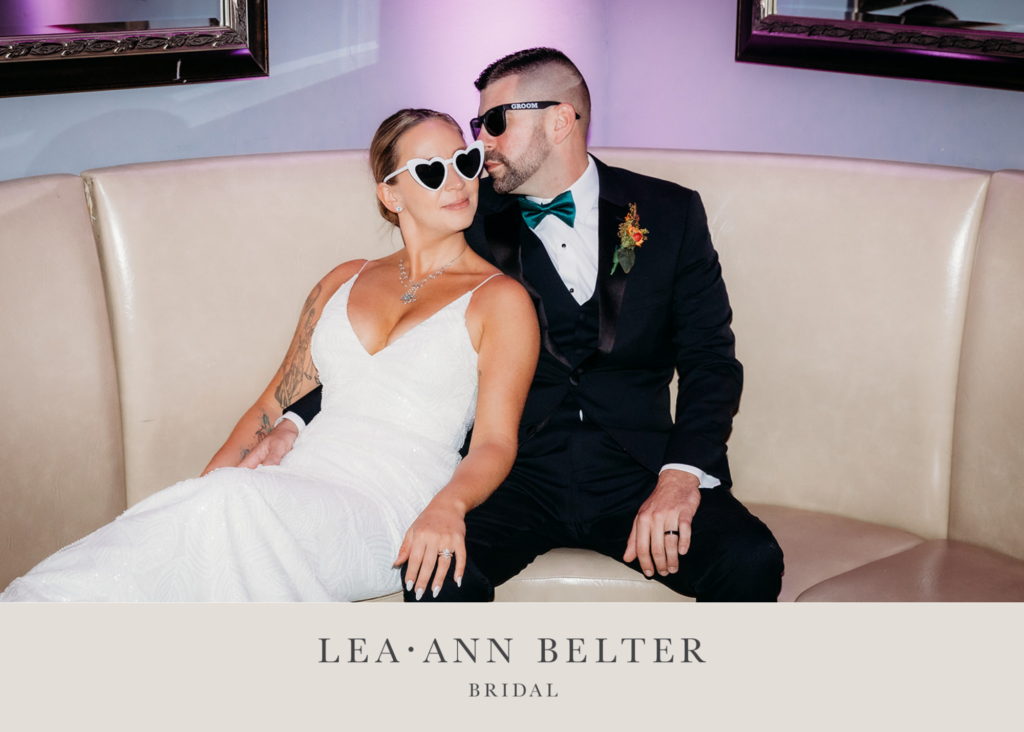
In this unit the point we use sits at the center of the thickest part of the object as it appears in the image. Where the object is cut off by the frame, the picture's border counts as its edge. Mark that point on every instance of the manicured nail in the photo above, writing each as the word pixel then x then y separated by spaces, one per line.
pixel 458 581
pixel 437 589
pixel 649 572
pixel 419 592
pixel 673 570
pixel 408 586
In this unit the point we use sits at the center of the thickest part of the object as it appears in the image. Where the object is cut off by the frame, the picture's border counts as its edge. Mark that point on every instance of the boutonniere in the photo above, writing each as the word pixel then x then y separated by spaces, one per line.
pixel 630 237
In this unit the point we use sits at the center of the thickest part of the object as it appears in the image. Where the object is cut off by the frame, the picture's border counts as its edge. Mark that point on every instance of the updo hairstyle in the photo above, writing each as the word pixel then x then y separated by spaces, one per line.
pixel 384 148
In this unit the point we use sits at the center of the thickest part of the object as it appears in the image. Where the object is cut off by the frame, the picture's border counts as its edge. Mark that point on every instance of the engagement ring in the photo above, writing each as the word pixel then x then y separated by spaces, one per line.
pixel 446 553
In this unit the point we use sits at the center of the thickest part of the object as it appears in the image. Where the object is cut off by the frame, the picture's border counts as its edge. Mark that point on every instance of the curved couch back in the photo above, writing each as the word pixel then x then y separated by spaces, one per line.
pixel 207 264
pixel 848 279
pixel 61 460
pixel 987 495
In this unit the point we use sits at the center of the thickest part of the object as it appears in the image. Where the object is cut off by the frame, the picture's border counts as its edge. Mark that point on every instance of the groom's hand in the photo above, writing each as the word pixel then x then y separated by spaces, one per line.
pixel 273 447
pixel 670 507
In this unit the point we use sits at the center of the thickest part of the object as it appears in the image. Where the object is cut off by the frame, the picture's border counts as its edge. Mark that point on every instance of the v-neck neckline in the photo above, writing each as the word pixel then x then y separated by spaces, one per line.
pixel 348 296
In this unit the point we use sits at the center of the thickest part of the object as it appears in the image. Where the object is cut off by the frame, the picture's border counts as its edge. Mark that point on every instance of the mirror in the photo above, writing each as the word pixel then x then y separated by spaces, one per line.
pixel 48 47
pixel 977 42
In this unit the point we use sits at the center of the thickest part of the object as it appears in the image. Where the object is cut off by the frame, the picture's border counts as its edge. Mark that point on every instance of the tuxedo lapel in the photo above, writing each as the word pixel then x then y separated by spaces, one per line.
pixel 502 233
pixel 610 287
pixel 612 210
pixel 507 233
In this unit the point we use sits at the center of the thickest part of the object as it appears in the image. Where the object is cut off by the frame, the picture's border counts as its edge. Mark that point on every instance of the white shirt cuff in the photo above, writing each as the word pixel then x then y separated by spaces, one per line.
pixel 706 481
pixel 298 421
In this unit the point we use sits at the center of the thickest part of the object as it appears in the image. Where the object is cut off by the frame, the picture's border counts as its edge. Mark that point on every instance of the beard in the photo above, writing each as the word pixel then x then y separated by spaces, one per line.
pixel 522 169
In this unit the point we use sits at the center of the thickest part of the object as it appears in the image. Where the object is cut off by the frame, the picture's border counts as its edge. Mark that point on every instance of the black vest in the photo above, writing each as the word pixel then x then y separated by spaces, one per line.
pixel 573 327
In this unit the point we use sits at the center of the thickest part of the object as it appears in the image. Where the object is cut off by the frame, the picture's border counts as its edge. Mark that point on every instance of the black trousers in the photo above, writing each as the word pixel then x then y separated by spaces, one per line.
pixel 573 486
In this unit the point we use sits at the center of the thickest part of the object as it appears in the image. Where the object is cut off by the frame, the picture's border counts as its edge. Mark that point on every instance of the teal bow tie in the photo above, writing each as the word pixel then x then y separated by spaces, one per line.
pixel 562 206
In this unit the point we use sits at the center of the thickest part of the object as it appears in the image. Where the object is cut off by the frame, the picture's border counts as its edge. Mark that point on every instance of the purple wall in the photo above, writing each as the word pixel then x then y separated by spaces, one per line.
pixel 703 99
pixel 661 72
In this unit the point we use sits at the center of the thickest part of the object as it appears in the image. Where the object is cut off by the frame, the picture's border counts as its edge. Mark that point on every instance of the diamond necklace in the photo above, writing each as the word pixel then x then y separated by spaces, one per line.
pixel 403 277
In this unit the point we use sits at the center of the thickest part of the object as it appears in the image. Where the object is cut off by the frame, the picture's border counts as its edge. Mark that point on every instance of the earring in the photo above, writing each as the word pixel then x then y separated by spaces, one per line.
pixel 398 209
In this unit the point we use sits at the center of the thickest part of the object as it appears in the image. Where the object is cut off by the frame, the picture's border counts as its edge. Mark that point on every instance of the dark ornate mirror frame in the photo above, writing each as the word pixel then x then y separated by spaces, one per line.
pixel 92 61
pixel 974 57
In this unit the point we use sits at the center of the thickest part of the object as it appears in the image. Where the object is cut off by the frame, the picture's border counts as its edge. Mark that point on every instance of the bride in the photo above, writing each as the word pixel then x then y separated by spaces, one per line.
pixel 412 350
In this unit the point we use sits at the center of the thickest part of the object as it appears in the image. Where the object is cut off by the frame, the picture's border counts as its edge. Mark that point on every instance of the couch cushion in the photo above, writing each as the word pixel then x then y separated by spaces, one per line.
pixel 818 546
pixel 936 571
pixel 62 461
pixel 987 501
pixel 848 281
pixel 580 575
pixel 576 575
pixel 207 264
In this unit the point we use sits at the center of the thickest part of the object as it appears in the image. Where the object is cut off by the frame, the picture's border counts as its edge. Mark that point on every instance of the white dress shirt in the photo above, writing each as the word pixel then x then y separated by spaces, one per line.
pixel 573 249
pixel 574 252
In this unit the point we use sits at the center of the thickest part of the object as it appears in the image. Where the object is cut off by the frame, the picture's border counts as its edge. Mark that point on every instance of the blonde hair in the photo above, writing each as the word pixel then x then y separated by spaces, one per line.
pixel 384 148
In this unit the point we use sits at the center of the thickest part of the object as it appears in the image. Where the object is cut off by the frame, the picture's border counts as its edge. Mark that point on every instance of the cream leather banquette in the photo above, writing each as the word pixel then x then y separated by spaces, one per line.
pixel 879 315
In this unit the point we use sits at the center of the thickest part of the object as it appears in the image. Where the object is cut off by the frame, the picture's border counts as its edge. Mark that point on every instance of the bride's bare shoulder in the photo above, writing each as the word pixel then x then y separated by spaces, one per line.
pixel 502 299
pixel 499 290
pixel 339 276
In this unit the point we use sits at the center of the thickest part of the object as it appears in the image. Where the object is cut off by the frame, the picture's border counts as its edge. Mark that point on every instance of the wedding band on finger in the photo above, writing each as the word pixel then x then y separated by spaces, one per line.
pixel 676 533
pixel 446 553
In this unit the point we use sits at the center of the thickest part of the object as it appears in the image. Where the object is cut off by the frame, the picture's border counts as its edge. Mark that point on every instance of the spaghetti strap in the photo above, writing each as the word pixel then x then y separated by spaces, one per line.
pixel 496 274
pixel 352 280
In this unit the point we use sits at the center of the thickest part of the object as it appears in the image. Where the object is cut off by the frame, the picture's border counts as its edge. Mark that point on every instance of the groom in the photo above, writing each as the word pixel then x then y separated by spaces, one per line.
pixel 628 290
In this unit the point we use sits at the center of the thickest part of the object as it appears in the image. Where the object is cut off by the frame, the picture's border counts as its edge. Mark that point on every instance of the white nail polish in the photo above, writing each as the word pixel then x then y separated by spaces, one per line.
pixel 458 581
pixel 436 590
pixel 408 586
pixel 419 592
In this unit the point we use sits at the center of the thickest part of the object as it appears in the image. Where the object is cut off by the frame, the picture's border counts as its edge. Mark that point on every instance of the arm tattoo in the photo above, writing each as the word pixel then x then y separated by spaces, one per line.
pixel 265 426
pixel 261 433
pixel 298 364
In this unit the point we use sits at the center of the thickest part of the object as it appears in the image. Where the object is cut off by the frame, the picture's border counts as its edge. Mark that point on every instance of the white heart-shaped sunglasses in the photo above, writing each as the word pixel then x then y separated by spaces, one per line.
pixel 431 174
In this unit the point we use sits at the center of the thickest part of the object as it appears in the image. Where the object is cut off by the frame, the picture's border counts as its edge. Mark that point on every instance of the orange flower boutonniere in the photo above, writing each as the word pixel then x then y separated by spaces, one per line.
pixel 630 237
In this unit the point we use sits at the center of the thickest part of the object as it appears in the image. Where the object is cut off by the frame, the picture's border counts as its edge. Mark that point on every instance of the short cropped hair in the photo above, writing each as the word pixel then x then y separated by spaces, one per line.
pixel 532 61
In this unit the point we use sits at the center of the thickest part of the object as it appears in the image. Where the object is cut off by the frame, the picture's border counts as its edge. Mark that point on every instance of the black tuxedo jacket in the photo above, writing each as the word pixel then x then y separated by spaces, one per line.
pixel 669 313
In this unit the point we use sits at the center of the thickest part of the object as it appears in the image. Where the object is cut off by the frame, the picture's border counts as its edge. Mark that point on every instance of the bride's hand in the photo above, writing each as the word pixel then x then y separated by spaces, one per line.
pixel 272 448
pixel 441 526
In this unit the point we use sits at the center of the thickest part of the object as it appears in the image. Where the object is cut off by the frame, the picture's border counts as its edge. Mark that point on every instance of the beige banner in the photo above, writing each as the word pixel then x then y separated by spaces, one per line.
pixel 509 666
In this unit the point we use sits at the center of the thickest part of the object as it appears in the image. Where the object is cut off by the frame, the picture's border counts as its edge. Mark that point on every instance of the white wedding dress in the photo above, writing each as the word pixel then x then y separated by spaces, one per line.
pixel 327 523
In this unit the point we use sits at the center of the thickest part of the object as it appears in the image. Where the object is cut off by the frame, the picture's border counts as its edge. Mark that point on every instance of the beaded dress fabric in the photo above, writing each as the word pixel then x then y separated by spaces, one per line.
pixel 327 523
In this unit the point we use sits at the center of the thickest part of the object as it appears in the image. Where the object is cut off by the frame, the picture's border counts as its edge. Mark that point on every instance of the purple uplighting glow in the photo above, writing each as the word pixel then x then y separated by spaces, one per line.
pixel 662 74
pixel 53 17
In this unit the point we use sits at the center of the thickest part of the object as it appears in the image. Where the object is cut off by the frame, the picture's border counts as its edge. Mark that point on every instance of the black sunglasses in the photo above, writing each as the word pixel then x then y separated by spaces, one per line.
pixel 493 120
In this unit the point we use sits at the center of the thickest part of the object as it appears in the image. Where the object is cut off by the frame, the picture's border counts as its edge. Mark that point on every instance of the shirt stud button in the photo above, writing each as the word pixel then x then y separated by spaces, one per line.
pixel 563 246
